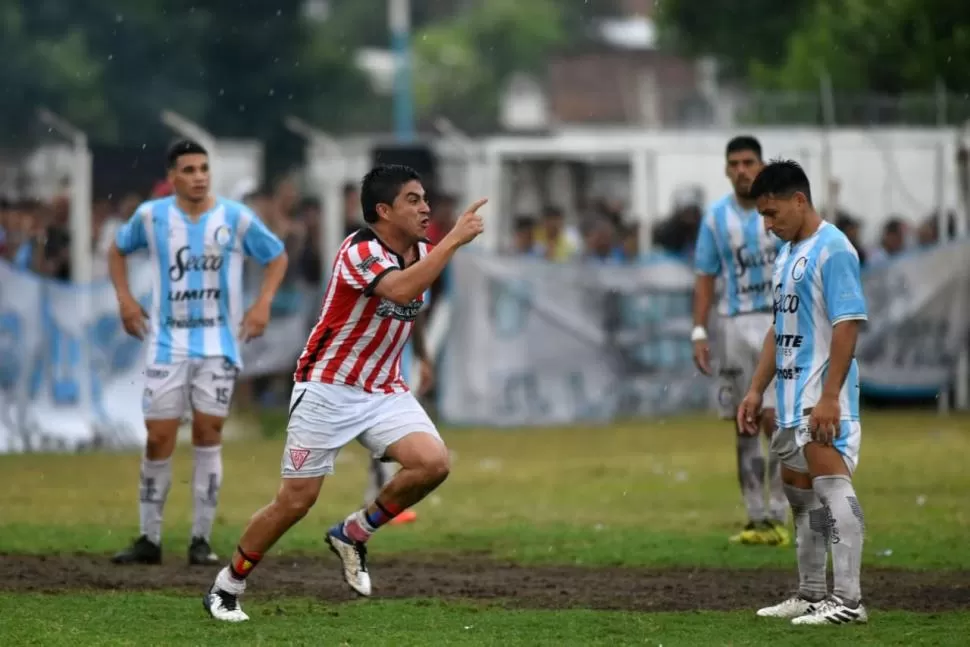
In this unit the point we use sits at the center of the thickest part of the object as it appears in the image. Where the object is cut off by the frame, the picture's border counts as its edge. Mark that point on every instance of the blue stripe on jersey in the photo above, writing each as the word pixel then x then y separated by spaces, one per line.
pixel 160 213
pixel 227 339
pixel 852 380
pixel 781 405
pixel 804 354
pixel 752 242
pixel 841 443
pixel 728 269
pixel 196 282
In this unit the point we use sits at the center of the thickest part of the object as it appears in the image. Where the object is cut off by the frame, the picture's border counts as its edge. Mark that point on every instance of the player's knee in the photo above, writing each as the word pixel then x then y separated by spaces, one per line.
pixel 296 497
pixel 160 439
pixel 435 465
pixel 206 430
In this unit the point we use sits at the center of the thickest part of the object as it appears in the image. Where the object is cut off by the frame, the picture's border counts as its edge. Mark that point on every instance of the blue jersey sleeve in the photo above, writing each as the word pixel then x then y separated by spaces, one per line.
pixel 842 286
pixel 132 236
pixel 707 260
pixel 258 241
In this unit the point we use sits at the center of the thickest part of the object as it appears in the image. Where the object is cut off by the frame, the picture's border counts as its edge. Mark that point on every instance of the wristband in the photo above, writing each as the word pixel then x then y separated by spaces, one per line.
pixel 698 334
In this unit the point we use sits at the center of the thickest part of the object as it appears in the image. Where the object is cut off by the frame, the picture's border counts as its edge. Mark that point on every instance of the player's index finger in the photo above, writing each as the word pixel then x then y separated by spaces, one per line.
pixel 477 205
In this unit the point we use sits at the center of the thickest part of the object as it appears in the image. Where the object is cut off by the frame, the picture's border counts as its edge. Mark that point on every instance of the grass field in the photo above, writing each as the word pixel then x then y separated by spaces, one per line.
pixel 629 521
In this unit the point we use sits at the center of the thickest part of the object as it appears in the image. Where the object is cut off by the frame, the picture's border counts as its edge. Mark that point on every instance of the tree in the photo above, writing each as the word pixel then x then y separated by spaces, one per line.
pixel 236 66
pixel 864 45
pixel 868 45
pixel 462 64
pixel 57 72
pixel 737 33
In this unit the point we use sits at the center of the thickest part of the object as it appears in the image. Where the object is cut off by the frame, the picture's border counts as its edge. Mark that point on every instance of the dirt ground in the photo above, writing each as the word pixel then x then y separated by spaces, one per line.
pixel 475 577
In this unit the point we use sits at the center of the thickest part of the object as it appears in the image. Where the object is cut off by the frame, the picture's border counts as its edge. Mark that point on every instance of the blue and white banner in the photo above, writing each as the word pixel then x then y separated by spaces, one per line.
pixel 919 321
pixel 532 343
pixel 71 378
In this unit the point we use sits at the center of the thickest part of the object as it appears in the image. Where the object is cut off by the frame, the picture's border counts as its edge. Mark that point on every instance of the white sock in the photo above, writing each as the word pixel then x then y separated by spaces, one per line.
pixel 206 483
pixel 226 582
pixel 845 530
pixel 810 548
pixel 156 478
pixel 357 528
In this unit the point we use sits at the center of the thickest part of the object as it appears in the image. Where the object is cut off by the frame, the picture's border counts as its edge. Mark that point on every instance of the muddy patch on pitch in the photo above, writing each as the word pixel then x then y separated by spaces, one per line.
pixel 476 577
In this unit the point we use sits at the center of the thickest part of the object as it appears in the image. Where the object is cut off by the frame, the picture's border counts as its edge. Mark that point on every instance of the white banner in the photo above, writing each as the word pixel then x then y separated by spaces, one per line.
pixel 538 344
pixel 71 378
pixel 919 318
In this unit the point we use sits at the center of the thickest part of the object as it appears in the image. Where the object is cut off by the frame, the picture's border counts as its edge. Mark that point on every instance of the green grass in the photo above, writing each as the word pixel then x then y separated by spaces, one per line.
pixel 114 619
pixel 658 493
pixel 609 495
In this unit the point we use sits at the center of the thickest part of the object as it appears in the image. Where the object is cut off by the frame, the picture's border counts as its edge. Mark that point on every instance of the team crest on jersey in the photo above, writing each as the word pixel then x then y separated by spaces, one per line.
pixel 798 269
pixel 222 235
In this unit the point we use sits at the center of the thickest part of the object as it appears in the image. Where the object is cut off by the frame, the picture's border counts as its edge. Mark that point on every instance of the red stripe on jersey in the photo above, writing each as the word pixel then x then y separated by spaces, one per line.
pixel 383 371
pixel 346 341
pixel 381 335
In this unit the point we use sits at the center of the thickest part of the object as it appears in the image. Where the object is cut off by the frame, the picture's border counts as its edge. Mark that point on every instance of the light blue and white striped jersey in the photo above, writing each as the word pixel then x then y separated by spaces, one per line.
pixel 197 296
pixel 733 244
pixel 817 285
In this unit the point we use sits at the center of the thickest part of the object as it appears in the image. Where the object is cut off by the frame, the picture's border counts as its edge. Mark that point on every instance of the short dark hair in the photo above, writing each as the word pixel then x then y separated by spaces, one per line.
pixel 381 185
pixel 894 225
pixel 552 211
pixel 183 147
pixel 308 203
pixel 743 143
pixel 781 178
pixel 523 223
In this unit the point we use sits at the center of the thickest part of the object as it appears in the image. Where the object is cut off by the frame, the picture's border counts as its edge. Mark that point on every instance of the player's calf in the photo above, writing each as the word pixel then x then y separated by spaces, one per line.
pixel 424 466
pixel 294 499
pixel 840 519
pixel 206 485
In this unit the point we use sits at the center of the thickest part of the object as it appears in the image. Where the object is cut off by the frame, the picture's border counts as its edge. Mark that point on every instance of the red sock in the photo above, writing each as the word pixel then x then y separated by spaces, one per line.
pixel 243 563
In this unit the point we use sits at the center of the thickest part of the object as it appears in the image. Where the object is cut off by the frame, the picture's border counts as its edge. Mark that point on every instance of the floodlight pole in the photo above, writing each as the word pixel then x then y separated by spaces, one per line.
pixel 319 143
pixel 399 24
pixel 191 130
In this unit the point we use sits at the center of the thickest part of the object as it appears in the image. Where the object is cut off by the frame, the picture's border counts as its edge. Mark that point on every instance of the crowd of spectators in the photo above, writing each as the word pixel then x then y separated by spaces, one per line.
pixel 604 237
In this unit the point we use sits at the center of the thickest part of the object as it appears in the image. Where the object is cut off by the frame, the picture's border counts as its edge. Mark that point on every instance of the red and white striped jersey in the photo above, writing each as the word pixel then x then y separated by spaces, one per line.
pixel 357 340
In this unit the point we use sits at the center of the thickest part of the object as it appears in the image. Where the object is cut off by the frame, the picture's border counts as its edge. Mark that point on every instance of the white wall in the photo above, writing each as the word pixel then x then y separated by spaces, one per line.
pixel 880 171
